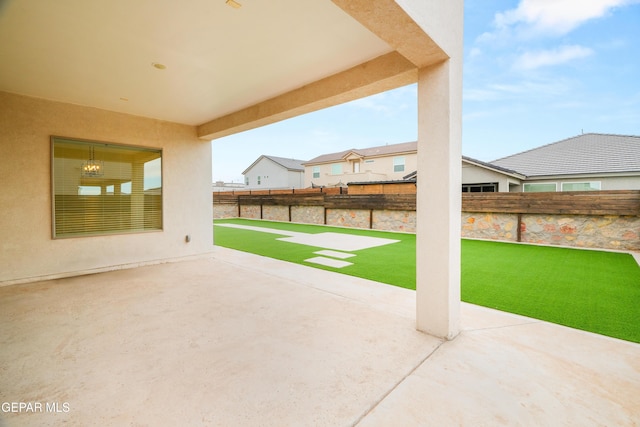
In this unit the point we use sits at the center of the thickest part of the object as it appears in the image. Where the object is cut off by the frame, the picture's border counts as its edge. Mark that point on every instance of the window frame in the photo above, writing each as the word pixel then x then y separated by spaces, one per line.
pixel 106 229
pixel 399 161
pixel 467 188
pixel 582 182
pixel 524 186
pixel 315 172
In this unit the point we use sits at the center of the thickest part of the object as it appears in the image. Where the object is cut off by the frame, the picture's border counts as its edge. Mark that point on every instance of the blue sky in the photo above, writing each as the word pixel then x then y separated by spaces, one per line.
pixel 535 72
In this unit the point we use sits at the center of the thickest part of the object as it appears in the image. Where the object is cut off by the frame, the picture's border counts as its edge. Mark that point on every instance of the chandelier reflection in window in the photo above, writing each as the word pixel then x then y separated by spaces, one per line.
pixel 92 168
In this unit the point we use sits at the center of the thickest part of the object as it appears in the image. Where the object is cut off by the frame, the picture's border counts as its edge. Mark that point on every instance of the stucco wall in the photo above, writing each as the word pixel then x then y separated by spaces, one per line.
pixel 606 183
pixel 472 174
pixel 272 175
pixel 27 250
pixel 371 169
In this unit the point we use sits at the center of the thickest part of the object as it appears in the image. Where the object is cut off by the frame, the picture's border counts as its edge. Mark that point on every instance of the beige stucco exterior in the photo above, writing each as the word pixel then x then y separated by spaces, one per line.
pixel 354 168
pixel 473 174
pixel 606 181
pixel 267 174
pixel 29 252
pixel 397 43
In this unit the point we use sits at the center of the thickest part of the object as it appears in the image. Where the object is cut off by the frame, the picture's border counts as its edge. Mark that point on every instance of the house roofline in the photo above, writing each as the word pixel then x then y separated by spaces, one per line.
pixel 341 155
pixel 272 158
pixel 499 169
pixel 564 140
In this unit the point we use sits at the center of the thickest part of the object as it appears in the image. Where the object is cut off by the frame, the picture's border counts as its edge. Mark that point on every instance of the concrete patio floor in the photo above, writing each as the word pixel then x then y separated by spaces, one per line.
pixel 241 340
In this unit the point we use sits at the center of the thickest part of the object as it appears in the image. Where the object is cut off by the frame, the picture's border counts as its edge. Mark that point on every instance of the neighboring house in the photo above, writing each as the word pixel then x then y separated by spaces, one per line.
pixel 585 162
pixel 588 162
pixel 477 177
pixel 386 162
pixel 270 172
pixel 483 177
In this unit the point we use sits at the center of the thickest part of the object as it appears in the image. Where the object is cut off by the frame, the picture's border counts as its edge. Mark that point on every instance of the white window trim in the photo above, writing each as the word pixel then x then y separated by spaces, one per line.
pixel 399 161
pixel 599 185
pixel 524 184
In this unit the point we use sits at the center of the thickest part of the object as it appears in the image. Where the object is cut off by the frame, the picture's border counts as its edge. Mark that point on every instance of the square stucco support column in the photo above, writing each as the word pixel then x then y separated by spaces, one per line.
pixel 439 199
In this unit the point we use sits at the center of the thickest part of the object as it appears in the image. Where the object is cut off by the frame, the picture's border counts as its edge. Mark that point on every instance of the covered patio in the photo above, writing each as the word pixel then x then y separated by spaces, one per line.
pixel 153 325
pixel 83 82
pixel 238 339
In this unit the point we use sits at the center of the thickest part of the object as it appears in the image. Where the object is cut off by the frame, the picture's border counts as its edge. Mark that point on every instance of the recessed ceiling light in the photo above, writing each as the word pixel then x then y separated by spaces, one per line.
pixel 234 4
pixel 159 66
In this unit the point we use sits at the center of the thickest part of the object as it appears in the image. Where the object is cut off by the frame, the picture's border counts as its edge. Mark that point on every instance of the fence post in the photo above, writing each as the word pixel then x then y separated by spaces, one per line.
pixel 519 231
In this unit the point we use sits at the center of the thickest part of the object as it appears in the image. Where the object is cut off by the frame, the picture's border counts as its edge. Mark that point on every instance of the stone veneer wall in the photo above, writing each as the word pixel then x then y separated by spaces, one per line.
pixel 620 232
pixel 225 211
pixel 384 220
pixel 275 213
pixel 250 211
pixel 358 218
pixel 307 214
pixel 493 226
pixel 583 231
pixel 392 220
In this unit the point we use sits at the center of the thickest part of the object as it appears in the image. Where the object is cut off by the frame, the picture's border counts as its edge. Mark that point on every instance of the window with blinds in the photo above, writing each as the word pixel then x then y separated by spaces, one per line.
pixel 100 188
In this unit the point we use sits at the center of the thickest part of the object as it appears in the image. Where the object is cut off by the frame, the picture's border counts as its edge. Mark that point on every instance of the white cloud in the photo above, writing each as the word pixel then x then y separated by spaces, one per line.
pixel 388 103
pixel 543 58
pixel 375 103
pixel 475 52
pixel 555 17
pixel 516 90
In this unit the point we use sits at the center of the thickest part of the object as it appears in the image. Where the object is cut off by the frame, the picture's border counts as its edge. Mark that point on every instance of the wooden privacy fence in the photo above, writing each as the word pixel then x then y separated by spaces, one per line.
pixel 296 191
pixel 602 219
pixel 621 202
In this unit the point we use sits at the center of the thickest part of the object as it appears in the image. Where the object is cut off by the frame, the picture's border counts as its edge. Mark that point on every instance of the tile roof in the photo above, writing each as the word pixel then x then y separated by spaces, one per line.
pixel 591 153
pixel 382 150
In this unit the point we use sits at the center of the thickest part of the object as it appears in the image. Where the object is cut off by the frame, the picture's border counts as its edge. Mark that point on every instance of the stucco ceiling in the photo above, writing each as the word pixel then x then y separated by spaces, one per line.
pixel 218 59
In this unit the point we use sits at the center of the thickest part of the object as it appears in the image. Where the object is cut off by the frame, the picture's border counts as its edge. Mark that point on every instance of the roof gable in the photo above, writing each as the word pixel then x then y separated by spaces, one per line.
pixel 382 150
pixel 590 153
pixel 294 165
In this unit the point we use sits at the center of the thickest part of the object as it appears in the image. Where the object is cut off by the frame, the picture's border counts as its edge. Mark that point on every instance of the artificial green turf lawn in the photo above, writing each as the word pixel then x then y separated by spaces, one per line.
pixel 397 268
pixel 589 290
